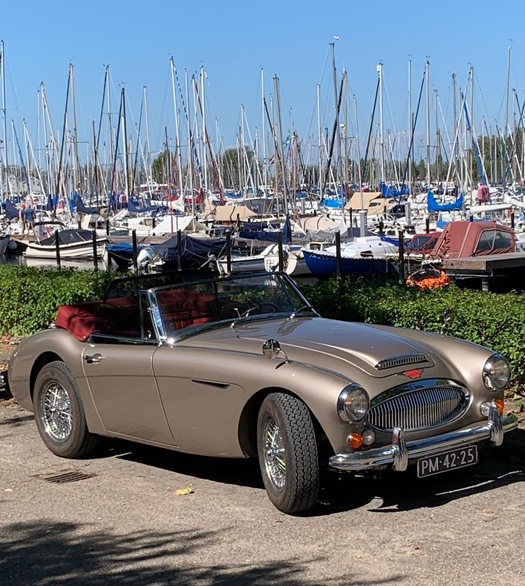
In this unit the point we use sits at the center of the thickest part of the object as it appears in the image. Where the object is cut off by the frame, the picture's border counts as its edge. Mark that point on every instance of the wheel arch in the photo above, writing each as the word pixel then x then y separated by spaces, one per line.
pixel 38 365
pixel 247 430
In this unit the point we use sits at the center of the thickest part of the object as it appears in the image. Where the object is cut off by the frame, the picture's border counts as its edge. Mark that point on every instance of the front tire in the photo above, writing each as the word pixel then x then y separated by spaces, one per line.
pixel 288 455
pixel 59 413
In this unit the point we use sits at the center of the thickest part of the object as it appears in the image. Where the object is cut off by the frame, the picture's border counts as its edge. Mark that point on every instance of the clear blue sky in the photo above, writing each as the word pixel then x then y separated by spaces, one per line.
pixel 233 41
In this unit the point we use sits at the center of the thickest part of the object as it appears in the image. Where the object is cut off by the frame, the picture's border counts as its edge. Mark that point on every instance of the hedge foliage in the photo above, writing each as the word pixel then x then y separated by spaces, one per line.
pixel 495 320
pixel 30 297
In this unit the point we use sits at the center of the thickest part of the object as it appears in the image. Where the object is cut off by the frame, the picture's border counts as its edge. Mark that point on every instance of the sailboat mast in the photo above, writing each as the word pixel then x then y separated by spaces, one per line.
pixel 505 134
pixel 381 137
pixel 175 114
pixel 129 182
pixel 75 136
pixel 147 147
pixel 337 104
pixel 409 123
pixel 320 139
pixel 438 139
pixel 263 134
pixel 203 112
pixel 280 145
pixel 4 114
pixel 60 179
pixel 190 145
pixel 427 93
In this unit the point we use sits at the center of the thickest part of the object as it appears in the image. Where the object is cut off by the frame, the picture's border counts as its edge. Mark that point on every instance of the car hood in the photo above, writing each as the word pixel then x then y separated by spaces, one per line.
pixel 318 341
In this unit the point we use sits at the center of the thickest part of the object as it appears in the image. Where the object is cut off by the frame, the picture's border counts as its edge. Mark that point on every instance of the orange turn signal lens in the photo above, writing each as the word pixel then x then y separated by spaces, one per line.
pixel 500 404
pixel 355 440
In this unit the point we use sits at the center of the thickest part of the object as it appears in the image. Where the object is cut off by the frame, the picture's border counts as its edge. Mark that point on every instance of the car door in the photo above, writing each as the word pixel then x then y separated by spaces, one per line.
pixel 121 380
pixel 202 404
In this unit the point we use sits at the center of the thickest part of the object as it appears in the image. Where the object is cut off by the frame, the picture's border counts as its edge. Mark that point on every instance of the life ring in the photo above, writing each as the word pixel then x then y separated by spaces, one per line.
pixel 428 278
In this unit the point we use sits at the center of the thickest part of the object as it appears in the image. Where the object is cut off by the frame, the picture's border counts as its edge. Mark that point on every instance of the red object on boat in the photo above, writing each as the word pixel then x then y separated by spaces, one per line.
pixel 483 194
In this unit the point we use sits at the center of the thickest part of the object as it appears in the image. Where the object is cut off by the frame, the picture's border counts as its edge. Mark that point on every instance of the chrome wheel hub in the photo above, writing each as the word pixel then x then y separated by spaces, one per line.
pixel 56 412
pixel 274 451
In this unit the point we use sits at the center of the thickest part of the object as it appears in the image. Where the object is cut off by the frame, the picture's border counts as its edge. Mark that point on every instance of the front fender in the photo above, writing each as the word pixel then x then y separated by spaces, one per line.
pixel 317 388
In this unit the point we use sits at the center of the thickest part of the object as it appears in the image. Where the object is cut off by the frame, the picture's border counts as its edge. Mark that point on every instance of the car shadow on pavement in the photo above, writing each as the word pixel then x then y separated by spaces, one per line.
pixel 243 472
pixel 63 553
pixel 395 492
pixel 17 421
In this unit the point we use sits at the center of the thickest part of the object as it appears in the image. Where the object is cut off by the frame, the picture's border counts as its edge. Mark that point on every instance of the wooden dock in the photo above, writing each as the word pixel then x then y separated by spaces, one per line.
pixel 492 271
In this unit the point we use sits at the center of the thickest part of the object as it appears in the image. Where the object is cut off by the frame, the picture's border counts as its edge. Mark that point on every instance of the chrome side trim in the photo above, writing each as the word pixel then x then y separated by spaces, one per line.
pixel 400 452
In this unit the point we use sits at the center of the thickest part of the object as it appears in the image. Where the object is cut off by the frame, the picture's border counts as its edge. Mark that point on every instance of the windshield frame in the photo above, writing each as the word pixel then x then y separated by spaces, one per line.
pixel 225 302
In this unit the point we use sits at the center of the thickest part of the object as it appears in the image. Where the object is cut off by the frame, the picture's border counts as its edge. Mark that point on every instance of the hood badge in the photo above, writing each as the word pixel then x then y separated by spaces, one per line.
pixel 414 373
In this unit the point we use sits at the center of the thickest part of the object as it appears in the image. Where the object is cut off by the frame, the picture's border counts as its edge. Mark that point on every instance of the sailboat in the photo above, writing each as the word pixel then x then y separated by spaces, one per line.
pixel 362 256
pixel 73 243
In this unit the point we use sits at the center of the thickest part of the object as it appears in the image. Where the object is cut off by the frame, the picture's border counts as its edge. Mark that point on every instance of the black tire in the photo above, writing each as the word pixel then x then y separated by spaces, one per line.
pixel 294 487
pixel 63 429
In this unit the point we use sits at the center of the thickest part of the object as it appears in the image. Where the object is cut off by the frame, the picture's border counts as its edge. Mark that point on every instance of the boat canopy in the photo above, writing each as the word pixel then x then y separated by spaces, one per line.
pixel 462 239
pixel 192 249
pixel 269 235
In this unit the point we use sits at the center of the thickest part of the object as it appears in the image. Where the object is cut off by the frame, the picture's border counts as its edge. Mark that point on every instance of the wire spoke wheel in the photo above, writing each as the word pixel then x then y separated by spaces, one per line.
pixel 59 413
pixel 56 412
pixel 288 456
pixel 274 453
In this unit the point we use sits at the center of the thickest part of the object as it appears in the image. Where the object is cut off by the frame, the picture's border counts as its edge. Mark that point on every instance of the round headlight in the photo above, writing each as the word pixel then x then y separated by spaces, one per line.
pixel 496 373
pixel 352 404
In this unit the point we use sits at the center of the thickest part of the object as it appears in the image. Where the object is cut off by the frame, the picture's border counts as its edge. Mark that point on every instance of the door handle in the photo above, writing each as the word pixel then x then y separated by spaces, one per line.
pixel 92 358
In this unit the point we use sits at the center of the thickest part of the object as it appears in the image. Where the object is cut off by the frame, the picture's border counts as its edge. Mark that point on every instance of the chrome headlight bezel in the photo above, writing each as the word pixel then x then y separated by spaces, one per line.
pixel 496 372
pixel 353 404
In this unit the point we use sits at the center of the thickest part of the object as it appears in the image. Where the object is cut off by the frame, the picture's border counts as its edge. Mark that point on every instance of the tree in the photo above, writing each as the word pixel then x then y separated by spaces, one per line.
pixel 160 168
pixel 235 165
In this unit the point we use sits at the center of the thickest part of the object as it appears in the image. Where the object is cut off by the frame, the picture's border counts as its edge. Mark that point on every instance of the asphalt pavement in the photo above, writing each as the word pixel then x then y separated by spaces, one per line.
pixel 136 515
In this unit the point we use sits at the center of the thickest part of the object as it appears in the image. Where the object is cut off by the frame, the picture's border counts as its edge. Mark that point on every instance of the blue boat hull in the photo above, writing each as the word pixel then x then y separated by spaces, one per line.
pixel 322 264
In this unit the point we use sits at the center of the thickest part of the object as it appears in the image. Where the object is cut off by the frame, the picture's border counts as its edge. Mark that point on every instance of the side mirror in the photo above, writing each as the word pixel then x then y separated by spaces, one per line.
pixel 271 348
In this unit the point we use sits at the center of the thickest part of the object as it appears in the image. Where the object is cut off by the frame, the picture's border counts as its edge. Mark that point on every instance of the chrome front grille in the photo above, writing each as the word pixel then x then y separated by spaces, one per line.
pixel 417 406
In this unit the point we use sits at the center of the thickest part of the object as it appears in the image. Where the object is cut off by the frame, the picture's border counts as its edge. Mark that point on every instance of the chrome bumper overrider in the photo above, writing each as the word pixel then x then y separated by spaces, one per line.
pixel 400 452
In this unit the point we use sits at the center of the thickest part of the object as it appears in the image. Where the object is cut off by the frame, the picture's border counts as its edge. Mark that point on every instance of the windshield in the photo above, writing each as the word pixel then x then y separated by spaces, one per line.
pixel 228 300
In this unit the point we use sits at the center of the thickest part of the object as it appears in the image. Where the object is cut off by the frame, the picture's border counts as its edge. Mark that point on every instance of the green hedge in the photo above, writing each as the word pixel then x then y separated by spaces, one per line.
pixel 29 297
pixel 495 320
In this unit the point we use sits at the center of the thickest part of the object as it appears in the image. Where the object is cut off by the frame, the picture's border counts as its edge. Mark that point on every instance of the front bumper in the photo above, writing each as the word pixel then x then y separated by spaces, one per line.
pixel 400 452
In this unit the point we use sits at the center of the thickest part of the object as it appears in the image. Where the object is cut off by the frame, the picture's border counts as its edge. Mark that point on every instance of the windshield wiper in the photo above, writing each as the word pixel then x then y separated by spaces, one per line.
pixel 299 311
pixel 247 312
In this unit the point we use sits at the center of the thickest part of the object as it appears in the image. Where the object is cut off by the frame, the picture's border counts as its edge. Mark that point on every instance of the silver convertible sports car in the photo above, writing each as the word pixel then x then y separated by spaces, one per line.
pixel 243 366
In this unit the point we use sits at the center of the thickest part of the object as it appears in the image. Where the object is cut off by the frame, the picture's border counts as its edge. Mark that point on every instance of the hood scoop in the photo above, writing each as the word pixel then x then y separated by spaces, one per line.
pixel 397 361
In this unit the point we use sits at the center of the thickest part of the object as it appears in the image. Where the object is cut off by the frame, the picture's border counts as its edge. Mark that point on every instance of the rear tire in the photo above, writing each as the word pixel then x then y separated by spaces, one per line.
pixel 288 454
pixel 59 413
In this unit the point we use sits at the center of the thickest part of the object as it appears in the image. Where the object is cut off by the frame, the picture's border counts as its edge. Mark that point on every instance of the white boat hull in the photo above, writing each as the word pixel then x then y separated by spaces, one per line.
pixel 77 250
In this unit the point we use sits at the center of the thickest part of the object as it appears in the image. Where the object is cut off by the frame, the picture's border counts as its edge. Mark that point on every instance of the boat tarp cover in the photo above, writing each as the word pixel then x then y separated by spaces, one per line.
pixel 233 213
pixel 83 209
pixel 192 248
pixel 462 239
pixel 148 209
pixel 123 248
pixel 269 235
pixel 11 210
pixel 362 200
pixel 393 190
pixel 434 206
pixel 68 236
